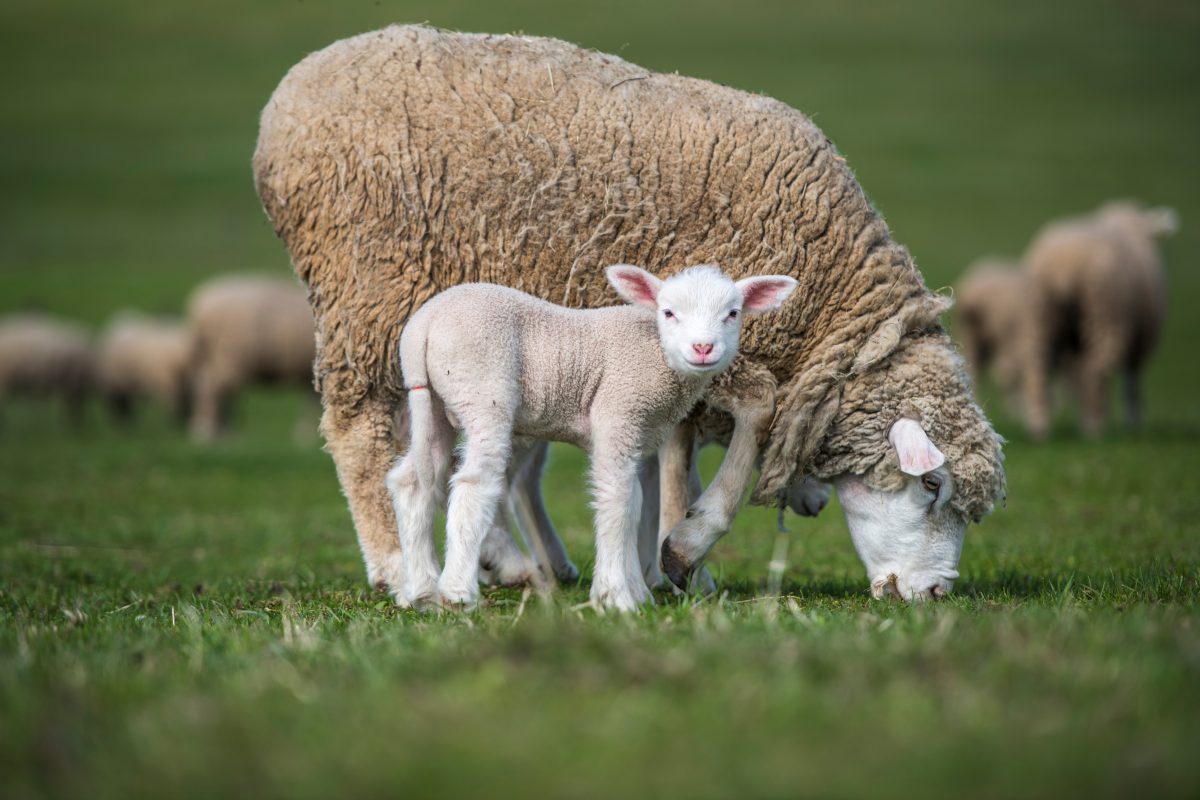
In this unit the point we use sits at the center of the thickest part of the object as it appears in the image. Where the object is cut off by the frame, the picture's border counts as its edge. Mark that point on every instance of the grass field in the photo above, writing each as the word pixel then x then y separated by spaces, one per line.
pixel 178 621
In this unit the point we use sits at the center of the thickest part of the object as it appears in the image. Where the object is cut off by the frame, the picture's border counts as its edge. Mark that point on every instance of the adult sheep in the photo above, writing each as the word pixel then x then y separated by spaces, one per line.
pixel 1098 305
pixel 992 304
pixel 45 356
pixel 142 357
pixel 245 329
pixel 400 162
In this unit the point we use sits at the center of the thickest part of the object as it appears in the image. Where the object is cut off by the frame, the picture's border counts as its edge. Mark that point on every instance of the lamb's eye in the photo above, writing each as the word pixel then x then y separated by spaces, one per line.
pixel 668 313
pixel 733 314
pixel 931 483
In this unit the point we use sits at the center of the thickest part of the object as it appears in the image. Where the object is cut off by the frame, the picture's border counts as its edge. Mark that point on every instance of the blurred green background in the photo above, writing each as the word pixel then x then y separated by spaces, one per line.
pixel 193 621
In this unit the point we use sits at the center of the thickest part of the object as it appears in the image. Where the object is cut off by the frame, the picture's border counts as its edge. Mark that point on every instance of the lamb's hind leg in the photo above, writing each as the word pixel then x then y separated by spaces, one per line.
pixel 476 491
pixel 417 484
pixel 359 435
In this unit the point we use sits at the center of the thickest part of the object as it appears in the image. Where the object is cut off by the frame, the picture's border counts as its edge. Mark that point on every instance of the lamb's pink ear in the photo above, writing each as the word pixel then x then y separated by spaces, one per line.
pixel 634 284
pixel 765 293
pixel 917 454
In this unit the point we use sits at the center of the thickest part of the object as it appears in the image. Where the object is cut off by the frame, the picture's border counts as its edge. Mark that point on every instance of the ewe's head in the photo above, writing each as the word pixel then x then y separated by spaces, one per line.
pixel 699 311
pixel 914 461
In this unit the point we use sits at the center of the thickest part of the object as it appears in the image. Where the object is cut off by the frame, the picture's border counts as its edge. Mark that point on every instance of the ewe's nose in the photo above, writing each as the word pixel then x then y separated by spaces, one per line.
pixel 702 349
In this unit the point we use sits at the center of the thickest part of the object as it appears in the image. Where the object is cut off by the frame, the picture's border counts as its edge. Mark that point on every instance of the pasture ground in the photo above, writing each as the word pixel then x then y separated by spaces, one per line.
pixel 184 621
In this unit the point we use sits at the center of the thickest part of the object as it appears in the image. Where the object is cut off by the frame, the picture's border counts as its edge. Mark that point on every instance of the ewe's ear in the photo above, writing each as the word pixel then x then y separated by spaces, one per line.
pixel 764 293
pixel 917 454
pixel 634 285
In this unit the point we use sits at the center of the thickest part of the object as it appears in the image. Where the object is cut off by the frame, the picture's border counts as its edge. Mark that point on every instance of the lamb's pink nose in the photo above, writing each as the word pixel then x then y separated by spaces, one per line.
pixel 702 349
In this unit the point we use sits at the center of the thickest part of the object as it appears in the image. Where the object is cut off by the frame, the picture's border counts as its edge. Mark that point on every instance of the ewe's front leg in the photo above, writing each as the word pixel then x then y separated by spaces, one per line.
pixel 678 486
pixel 359 435
pixel 709 518
pixel 617 579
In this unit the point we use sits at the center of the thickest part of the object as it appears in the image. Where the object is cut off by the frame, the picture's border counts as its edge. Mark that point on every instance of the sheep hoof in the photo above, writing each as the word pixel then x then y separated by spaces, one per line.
pixel 567 574
pixel 458 599
pixel 675 566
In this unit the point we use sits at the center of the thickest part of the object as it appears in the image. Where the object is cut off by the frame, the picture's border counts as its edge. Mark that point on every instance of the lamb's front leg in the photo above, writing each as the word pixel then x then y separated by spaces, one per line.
pixel 709 518
pixel 617 578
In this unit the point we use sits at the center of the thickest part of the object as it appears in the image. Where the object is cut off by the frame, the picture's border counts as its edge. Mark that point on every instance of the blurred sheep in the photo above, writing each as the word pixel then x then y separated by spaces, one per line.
pixel 1100 299
pixel 142 357
pixel 1088 302
pixel 45 356
pixel 245 329
pixel 992 303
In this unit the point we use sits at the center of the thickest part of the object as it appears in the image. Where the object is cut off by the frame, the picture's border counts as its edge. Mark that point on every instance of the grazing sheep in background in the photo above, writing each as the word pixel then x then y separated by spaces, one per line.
pixel 993 300
pixel 245 329
pixel 498 363
pixel 144 357
pixel 1098 307
pixel 44 356
pixel 530 162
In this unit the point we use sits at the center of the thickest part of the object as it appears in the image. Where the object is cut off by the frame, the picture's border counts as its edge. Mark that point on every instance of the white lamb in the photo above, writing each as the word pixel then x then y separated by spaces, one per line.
pixel 496 364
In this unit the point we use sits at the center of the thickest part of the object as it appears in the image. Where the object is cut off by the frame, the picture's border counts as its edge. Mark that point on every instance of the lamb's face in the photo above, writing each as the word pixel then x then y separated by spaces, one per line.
pixel 699 321
pixel 908 537
pixel 699 311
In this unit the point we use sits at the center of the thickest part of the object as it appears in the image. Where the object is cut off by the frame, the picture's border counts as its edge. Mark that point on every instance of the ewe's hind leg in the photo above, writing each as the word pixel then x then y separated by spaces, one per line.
pixel 617 580
pixel 529 510
pixel 476 491
pixel 360 438
pixel 417 485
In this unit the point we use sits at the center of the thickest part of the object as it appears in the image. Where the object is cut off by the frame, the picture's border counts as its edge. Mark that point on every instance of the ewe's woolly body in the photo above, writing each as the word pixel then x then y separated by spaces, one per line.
pixel 400 162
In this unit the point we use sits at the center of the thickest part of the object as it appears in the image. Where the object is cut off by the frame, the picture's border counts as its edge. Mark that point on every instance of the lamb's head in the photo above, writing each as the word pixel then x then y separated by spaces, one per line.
pixel 699 311
pixel 914 461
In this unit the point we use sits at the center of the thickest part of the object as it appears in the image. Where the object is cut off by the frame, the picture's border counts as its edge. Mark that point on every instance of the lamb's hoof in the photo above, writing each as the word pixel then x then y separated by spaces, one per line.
pixel 622 598
pixel 675 566
pixel 460 599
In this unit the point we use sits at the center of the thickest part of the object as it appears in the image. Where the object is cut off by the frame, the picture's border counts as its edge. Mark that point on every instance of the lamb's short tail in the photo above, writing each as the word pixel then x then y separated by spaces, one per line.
pixel 414 342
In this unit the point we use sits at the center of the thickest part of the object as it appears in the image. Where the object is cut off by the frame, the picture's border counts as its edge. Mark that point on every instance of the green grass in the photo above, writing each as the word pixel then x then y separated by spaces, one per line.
pixel 193 622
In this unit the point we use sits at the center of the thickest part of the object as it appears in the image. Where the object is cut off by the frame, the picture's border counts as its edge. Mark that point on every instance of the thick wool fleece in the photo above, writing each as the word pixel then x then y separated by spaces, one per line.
pixel 398 163
pixel 924 380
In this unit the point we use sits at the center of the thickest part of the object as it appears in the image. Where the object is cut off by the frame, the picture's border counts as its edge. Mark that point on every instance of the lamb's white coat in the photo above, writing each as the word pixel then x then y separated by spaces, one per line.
pixel 496 364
